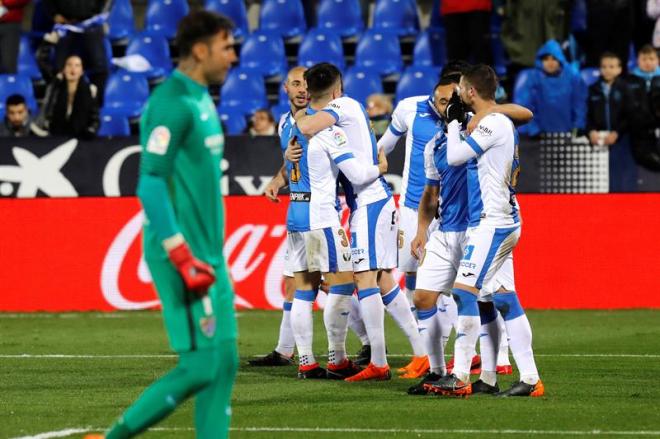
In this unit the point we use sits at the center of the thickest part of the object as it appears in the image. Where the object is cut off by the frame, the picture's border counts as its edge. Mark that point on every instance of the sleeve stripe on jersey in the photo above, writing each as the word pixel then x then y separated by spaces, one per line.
pixel 332 113
pixel 431 182
pixel 395 131
pixel 343 157
pixel 474 145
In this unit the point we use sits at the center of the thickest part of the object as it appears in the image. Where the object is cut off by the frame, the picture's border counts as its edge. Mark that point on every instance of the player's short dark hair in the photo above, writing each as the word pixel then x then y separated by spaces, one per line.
pixel 483 79
pixel 457 66
pixel 453 78
pixel 14 99
pixel 199 26
pixel 608 54
pixel 647 49
pixel 321 77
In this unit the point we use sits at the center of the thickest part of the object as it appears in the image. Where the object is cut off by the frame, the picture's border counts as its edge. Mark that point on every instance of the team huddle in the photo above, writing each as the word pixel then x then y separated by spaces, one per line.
pixel 453 234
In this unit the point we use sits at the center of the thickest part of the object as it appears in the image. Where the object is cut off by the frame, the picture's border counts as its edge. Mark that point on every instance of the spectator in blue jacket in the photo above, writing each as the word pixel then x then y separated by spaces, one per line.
pixel 554 92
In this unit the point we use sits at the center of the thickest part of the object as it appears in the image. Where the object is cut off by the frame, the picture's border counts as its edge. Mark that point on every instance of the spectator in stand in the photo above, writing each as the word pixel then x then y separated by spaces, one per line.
pixel 70 107
pixel 379 109
pixel 609 29
pixel 467 25
pixel 643 84
pixel 554 92
pixel 262 123
pixel 17 118
pixel 89 43
pixel 653 11
pixel 11 16
pixel 526 25
pixel 607 122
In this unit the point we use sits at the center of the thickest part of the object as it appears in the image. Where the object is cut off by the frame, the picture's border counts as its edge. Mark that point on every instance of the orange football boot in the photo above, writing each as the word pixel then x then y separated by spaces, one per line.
pixel 417 367
pixel 372 373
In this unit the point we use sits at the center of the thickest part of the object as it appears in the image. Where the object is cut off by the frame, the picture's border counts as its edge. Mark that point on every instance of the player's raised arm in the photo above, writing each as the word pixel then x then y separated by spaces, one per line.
pixel 395 130
pixel 310 124
pixel 517 113
pixel 356 172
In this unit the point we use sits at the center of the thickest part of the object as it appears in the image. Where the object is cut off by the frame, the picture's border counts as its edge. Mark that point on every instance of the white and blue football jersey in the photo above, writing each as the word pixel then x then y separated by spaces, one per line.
pixel 352 118
pixel 417 118
pixel 492 170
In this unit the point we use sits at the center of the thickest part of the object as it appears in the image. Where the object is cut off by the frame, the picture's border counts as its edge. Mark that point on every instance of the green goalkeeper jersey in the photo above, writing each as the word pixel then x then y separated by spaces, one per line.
pixel 182 143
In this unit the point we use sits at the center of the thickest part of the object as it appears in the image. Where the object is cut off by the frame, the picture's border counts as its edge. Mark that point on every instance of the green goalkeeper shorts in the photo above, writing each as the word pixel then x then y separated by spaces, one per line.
pixel 192 323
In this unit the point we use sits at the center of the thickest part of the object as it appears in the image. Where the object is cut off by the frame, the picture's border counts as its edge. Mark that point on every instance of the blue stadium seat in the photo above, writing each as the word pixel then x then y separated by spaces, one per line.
pixel 321 46
pixel 234 9
pixel 285 17
pixel 278 110
pixel 233 119
pixel 359 83
pixel 284 98
pixel 264 52
pixel 590 75
pixel 379 51
pixel 340 16
pixel 120 20
pixel 436 18
pixel 416 81
pixel 114 126
pixel 17 84
pixel 27 64
pixel 521 81
pixel 243 89
pixel 125 94
pixel 400 16
pixel 155 49
pixel 430 48
pixel 163 16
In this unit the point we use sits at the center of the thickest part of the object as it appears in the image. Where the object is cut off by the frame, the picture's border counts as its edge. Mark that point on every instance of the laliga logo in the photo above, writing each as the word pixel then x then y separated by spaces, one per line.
pixel 118 250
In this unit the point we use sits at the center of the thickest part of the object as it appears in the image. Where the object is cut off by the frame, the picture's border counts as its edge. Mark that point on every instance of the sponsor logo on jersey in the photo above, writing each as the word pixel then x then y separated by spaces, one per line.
pixel 304 197
pixel 484 131
pixel 215 143
pixel 159 140
pixel 208 325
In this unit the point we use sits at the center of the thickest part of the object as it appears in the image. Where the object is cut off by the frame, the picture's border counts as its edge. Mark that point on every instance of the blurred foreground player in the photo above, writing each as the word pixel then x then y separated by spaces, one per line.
pixel 179 188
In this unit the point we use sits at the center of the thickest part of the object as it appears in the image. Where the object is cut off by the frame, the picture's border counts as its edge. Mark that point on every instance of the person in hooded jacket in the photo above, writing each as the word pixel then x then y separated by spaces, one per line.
pixel 554 92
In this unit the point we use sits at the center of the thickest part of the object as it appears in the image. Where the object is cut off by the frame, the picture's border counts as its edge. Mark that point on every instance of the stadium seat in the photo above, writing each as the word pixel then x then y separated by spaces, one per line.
pixel 399 16
pixel 233 120
pixel 17 84
pixel 283 98
pixel 436 18
pixel 278 110
pixel 27 64
pixel 285 17
pixel 416 81
pixel 264 53
pixel 590 75
pixel 521 80
pixel 163 16
pixel 321 46
pixel 244 90
pixel 125 94
pixel 379 51
pixel 155 49
pixel 500 60
pixel 343 17
pixel 114 126
pixel 430 48
pixel 359 83
pixel 41 21
pixel 120 20
pixel 235 10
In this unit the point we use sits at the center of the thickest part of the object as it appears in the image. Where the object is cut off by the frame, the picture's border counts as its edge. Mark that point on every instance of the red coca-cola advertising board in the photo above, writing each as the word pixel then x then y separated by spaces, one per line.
pixel 83 254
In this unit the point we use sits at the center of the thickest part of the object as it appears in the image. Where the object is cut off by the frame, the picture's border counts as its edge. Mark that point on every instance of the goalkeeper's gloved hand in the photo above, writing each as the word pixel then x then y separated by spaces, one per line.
pixel 455 109
pixel 198 276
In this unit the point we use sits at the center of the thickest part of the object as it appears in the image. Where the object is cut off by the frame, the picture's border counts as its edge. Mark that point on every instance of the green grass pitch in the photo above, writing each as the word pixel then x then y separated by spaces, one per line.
pixel 601 371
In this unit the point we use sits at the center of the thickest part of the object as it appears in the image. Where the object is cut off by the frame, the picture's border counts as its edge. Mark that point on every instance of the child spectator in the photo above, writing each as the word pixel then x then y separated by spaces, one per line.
pixel 554 92
pixel 379 109
pixel 607 122
pixel 262 123
pixel 70 107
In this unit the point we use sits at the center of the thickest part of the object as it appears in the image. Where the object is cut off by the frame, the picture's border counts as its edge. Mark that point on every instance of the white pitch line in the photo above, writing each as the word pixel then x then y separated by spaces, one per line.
pixel 137 356
pixel 418 431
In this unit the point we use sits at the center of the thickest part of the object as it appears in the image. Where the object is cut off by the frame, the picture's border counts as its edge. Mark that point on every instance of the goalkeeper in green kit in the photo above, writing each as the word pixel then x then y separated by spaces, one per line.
pixel 179 188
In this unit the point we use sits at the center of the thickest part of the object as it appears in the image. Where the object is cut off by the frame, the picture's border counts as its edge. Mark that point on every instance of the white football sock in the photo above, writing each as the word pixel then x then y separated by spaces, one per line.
pixel 430 332
pixel 503 351
pixel 520 342
pixel 399 308
pixel 335 317
pixel 489 344
pixel 373 314
pixel 356 323
pixel 303 326
pixel 286 343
